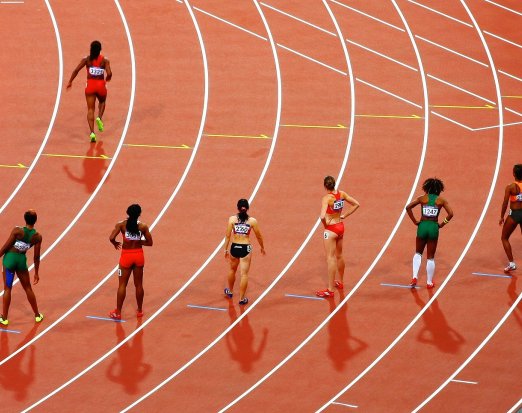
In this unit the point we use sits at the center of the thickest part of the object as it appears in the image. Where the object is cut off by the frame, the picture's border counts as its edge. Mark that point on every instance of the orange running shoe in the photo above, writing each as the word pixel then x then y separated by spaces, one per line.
pixel 324 293
pixel 339 285
pixel 115 315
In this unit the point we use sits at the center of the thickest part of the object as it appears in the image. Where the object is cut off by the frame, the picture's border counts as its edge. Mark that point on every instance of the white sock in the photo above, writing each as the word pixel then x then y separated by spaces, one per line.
pixel 430 269
pixel 417 260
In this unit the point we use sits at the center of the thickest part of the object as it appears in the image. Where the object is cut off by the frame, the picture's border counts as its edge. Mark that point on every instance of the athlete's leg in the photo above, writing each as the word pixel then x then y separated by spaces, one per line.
pixel 23 276
pixel 101 106
pixel 138 283
pixel 123 280
pixel 231 278
pixel 330 242
pixel 91 103
pixel 340 259
pixel 507 230
pixel 8 284
pixel 244 267
pixel 430 263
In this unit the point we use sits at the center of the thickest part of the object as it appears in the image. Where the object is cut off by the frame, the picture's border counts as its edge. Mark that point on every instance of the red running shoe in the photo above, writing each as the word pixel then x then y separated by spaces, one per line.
pixel 115 315
pixel 324 293
pixel 339 285
pixel 413 282
pixel 139 313
pixel 430 286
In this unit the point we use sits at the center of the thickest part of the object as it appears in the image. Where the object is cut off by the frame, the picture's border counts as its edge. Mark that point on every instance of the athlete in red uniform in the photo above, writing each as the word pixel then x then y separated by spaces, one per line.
pixel 97 67
pixel 135 234
pixel 513 195
pixel 331 215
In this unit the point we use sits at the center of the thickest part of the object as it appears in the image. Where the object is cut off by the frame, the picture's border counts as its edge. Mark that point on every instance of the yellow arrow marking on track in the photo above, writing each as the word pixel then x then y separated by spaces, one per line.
pixel 59 155
pixel 513 97
pixel 486 106
pixel 391 116
pixel 19 165
pixel 139 145
pixel 238 136
pixel 338 126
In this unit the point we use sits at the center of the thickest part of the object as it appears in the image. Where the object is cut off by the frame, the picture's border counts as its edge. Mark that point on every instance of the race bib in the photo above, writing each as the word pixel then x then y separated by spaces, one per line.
pixel 518 198
pixel 338 205
pixel 96 71
pixel 430 211
pixel 241 229
pixel 133 237
pixel 22 246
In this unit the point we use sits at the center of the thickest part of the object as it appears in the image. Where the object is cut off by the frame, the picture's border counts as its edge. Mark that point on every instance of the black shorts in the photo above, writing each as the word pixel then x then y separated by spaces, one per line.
pixel 516 215
pixel 240 250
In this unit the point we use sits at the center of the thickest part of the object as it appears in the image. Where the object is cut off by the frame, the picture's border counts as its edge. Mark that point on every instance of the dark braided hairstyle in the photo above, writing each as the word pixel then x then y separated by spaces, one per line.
pixel 433 186
pixel 95 50
pixel 134 211
pixel 242 207
pixel 329 183
pixel 517 172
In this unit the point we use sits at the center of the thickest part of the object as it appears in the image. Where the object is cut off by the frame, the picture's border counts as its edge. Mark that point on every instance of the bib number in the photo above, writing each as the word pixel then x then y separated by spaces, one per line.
pixel 338 205
pixel 241 229
pixel 430 211
pixel 96 71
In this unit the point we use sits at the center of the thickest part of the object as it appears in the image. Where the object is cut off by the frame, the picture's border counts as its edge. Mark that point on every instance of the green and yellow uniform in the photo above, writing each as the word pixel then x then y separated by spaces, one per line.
pixel 428 227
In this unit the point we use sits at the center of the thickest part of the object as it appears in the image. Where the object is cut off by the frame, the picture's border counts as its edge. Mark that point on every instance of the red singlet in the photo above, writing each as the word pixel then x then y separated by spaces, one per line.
pixel 337 206
pixel 517 197
pixel 96 78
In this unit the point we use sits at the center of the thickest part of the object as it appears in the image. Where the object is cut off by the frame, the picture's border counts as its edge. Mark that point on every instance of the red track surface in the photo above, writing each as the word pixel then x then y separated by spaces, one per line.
pixel 263 135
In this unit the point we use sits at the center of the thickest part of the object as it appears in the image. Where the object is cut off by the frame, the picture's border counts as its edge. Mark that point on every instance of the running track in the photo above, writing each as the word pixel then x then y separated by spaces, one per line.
pixel 210 103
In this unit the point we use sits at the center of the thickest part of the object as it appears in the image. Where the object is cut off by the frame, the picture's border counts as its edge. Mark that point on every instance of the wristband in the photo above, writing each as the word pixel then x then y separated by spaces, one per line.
pixel 446 221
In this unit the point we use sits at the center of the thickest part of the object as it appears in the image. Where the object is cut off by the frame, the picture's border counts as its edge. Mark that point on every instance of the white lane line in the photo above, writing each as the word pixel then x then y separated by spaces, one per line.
pixel 473 235
pixel 515 408
pixel 450 50
pixel 392 234
pixel 441 13
pixel 382 55
pixel 510 75
pixel 93 195
pixel 312 59
pixel 298 19
pixel 502 39
pixel 55 110
pixel 369 16
pixel 230 23
pixel 503 7
pixel 497 126
pixel 461 89
pixel 353 406
pixel 305 242
pixel 220 246
pixel 464 381
pixel 452 121
pixel 513 111
pixel 389 93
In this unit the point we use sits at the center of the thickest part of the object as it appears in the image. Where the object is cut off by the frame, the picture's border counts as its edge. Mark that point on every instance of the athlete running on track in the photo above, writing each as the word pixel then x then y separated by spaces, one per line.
pixel 15 261
pixel 97 67
pixel 331 216
pixel 428 226
pixel 513 195
pixel 135 235
pixel 238 230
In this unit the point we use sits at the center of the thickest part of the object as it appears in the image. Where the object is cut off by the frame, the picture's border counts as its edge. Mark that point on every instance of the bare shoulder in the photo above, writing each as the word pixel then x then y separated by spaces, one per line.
pixel 142 226
pixel 252 220
pixel 441 201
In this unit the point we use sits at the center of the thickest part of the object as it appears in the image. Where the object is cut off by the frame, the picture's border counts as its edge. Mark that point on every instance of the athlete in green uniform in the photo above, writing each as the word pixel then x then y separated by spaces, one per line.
pixel 15 261
pixel 428 226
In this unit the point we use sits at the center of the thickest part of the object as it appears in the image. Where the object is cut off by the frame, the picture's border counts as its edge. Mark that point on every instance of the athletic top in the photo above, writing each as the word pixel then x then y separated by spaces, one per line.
pixel 430 210
pixel 337 206
pixel 241 228
pixel 94 70
pixel 22 245
pixel 517 197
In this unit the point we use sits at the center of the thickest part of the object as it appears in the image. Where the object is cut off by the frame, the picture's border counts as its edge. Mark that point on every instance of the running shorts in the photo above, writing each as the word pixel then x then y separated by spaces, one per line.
pixel 132 258
pixel 96 87
pixel 428 230
pixel 240 250
pixel 335 228
pixel 15 261
pixel 516 215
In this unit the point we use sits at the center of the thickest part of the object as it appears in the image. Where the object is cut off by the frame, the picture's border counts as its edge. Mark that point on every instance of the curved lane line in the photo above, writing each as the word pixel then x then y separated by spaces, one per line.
pixel 91 198
pixel 388 241
pixel 218 248
pixel 471 239
pixel 53 117
pixel 501 131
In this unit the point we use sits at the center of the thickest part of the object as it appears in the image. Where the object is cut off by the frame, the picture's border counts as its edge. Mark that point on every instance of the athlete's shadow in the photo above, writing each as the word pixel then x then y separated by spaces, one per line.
pixel 341 345
pixel 93 169
pixel 128 368
pixel 512 292
pixel 240 341
pixel 436 329
pixel 16 377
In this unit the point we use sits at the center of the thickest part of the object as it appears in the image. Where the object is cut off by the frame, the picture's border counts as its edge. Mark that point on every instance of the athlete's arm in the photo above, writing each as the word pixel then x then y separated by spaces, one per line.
pixel 228 233
pixel 324 206
pixel 108 70
pixel 36 259
pixel 259 237
pixel 148 238
pixel 409 208
pixel 75 72
pixel 505 202
pixel 114 234
pixel 354 205
pixel 448 209
pixel 10 241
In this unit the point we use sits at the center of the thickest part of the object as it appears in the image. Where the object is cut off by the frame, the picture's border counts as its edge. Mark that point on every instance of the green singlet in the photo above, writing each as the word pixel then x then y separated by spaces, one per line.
pixel 17 260
pixel 428 229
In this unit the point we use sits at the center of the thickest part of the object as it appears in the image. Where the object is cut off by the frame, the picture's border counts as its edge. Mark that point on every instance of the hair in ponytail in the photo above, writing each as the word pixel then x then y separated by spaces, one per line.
pixel 242 207
pixel 134 211
pixel 95 50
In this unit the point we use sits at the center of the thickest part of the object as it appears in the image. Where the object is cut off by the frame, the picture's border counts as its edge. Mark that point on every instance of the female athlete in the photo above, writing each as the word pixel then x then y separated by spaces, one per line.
pixel 428 227
pixel 97 67
pixel 238 229
pixel 135 235
pixel 513 195
pixel 15 261
pixel 331 216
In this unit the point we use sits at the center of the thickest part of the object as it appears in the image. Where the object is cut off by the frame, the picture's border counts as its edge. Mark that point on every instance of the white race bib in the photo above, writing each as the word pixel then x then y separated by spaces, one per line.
pixel 96 71
pixel 430 211
pixel 338 205
pixel 241 229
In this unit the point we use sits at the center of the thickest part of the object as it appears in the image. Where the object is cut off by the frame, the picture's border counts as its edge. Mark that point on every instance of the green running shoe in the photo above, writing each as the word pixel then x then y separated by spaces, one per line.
pixel 39 318
pixel 93 137
pixel 100 124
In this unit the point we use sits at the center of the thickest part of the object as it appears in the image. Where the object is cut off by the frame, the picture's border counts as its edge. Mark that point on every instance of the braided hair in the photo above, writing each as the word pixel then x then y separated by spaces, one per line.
pixel 242 207
pixel 95 50
pixel 433 186
pixel 133 211
pixel 517 172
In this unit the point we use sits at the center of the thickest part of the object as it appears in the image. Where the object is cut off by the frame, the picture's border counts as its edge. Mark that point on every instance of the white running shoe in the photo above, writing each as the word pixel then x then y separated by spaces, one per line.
pixel 510 267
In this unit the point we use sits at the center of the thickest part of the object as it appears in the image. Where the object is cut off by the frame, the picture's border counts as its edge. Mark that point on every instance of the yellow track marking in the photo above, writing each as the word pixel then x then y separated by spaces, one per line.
pixel 238 136
pixel 139 145
pixel 59 155
pixel 19 165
